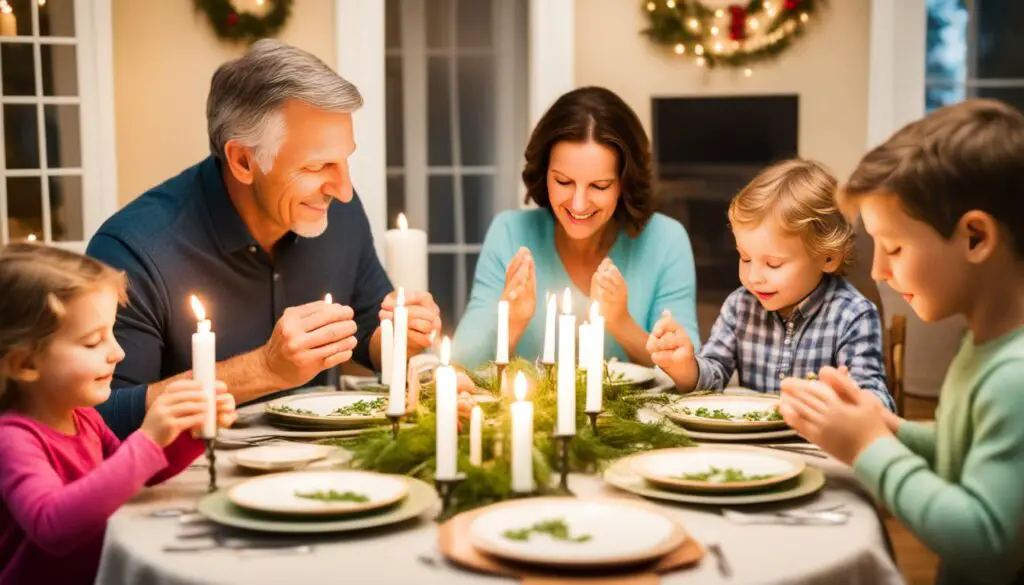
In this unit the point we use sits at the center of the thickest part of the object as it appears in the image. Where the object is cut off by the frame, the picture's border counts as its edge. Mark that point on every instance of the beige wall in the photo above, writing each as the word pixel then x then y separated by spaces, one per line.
pixel 828 68
pixel 164 55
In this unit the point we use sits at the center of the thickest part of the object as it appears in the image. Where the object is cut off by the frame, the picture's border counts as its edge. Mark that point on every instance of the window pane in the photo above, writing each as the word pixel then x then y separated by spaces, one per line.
pixel 945 52
pixel 66 216
pixel 394 122
pixel 441 202
pixel 21 136
pixel 63 137
pixel 396 199
pixel 24 207
pixel 18 21
pixel 1011 95
pixel 439 19
pixel 937 96
pixel 439 130
pixel 441 276
pixel 477 206
pixel 19 74
pixel 392 24
pixel 57 18
pixel 476 110
pixel 475 23
pixel 60 71
pixel 1000 43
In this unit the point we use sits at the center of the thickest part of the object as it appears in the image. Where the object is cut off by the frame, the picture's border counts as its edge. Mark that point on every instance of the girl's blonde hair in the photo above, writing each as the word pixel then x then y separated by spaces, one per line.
pixel 801 195
pixel 36 283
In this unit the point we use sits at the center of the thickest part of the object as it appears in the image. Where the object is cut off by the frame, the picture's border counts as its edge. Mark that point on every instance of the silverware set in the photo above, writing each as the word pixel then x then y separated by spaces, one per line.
pixel 798 448
pixel 832 516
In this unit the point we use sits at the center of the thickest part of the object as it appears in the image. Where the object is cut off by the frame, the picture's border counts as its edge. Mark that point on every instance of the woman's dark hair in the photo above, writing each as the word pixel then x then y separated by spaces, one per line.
pixel 595 114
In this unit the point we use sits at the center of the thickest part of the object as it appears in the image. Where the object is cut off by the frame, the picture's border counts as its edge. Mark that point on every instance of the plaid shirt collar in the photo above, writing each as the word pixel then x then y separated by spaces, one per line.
pixel 812 303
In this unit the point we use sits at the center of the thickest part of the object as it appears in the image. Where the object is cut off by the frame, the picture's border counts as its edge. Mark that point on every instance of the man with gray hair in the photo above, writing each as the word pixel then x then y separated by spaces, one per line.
pixel 260 231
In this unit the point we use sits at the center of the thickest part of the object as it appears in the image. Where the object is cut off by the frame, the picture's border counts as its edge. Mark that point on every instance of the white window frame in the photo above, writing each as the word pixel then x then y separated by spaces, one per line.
pixel 359 26
pixel 93 41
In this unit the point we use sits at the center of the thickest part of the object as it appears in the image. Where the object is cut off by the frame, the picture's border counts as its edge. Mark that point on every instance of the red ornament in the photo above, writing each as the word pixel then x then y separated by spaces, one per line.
pixel 737 22
pixel 232 19
pixel 792 4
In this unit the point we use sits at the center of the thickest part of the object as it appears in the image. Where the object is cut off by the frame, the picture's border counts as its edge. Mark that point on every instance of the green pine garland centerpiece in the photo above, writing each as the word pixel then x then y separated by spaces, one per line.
pixel 619 433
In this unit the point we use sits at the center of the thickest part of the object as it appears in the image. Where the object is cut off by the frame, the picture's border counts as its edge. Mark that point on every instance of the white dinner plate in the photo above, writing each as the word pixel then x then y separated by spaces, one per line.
pixel 684 409
pixel 280 493
pixel 627 374
pixel 762 467
pixel 280 457
pixel 319 409
pixel 605 532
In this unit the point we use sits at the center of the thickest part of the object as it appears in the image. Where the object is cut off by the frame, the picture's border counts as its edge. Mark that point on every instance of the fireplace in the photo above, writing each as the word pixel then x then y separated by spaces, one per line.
pixel 705 150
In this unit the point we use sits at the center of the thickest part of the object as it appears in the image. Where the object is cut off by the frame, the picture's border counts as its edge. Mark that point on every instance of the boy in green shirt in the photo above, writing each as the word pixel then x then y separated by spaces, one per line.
pixel 943 199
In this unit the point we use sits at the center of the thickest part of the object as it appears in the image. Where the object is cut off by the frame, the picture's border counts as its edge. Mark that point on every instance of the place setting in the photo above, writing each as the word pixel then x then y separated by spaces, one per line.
pixel 318 502
pixel 716 475
pixel 577 539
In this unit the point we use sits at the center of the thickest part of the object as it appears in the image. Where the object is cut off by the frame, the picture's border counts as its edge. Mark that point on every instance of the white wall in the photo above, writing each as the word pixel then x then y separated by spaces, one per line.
pixel 828 69
pixel 164 55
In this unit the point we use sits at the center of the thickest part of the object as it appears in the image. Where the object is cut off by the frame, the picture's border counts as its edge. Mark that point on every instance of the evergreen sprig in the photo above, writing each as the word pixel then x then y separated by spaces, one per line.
pixel 619 433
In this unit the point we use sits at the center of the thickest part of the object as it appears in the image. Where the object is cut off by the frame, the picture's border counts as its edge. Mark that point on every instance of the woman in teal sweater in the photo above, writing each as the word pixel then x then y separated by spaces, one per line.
pixel 588 169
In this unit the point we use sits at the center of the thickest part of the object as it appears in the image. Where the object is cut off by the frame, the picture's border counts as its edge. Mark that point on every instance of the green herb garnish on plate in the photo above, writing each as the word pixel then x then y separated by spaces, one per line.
pixel 361 408
pixel 289 410
pixel 716 475
pixel 766 415
pixel 333 496
pixel 557 529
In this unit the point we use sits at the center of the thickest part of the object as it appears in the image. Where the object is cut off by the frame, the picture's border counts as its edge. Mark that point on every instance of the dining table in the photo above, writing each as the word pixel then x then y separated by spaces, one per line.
pixel 856 551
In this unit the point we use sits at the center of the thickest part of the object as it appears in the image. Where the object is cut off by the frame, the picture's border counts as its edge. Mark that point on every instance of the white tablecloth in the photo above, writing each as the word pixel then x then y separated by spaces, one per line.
pixel 853 554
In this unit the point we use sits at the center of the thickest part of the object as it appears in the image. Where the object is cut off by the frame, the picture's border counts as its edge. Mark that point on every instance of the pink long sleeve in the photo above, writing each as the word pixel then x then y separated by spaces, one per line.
pixel 58 516
pixel 179 454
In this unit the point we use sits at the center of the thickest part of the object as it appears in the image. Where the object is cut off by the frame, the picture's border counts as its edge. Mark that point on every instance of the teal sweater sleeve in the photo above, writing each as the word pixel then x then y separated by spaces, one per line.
pixel 676 286
pixel 976 522
pixel 477 334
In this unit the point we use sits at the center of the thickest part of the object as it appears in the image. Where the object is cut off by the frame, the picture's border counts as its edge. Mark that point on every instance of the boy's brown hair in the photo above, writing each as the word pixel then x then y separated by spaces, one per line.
pixel 959 158
pixel 801 195
pixel 36 283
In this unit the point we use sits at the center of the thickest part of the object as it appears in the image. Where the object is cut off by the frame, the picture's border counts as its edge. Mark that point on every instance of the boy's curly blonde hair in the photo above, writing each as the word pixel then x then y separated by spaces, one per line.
pixel 801 195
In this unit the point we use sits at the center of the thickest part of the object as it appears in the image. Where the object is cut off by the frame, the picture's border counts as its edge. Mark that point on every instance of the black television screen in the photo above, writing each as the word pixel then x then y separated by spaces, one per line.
pixel 725 130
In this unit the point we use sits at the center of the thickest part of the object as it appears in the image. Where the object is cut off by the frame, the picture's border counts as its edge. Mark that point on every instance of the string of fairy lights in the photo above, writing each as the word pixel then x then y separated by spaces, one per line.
pixel 736 35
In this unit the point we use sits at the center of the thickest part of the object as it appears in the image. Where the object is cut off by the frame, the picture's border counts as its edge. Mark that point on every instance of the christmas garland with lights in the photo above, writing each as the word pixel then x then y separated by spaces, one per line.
pixel 230 24
pixel 619 434
pixel 734 36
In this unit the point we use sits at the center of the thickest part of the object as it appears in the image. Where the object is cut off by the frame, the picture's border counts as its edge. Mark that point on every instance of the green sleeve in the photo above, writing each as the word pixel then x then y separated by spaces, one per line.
pixel 919 438
pixel 976 522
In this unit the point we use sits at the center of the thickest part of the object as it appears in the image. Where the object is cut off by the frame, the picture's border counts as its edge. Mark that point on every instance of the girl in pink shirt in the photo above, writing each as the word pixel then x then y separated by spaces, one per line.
pixel 62 471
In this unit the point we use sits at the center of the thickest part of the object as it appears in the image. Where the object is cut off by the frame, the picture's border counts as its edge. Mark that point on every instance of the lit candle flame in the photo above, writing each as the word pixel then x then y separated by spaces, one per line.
pixel 328 298
pixel 595 311
pixel 401 297
pixel 567 301
pixel 520 386
pixel 446 350
pixel 403 224
pixel 198 309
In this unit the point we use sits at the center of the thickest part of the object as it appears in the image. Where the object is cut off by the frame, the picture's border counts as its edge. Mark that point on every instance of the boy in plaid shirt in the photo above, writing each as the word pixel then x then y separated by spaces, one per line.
pixel 795 313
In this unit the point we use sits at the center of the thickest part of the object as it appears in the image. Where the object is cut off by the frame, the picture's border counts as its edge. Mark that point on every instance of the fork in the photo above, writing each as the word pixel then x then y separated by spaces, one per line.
pixel 724 568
